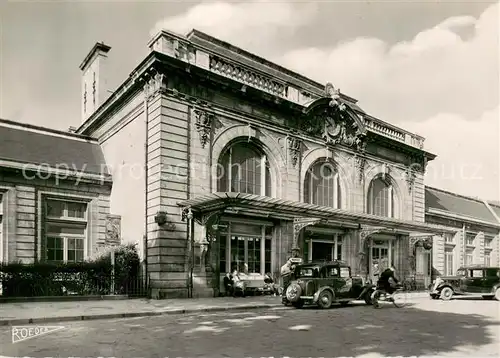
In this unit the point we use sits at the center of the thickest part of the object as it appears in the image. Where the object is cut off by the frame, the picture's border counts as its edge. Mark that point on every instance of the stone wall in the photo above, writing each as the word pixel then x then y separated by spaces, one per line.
pixel 168 183
pixel 458 244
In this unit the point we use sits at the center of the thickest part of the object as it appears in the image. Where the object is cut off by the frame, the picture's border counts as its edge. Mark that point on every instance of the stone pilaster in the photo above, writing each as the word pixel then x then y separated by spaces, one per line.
pixel 168 183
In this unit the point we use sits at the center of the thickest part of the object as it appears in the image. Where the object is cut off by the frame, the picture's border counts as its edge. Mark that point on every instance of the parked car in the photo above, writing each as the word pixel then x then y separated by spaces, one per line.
pixel 471 280
pixel 325 283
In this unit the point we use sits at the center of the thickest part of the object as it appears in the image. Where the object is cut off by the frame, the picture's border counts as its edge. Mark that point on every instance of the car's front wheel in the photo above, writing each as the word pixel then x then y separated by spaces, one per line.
pixel 446 294
pixel 325 299
pixel 497 294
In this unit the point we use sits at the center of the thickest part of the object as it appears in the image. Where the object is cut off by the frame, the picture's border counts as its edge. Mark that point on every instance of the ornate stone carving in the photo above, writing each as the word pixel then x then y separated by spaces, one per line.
pixel 155 82
pixel 113 230
pixel 299 224
pixel 335 122
pixel 334 94
pixel 360 167
pixel 365 233
pixel 410 176
pixel 294 149
pixel 204 122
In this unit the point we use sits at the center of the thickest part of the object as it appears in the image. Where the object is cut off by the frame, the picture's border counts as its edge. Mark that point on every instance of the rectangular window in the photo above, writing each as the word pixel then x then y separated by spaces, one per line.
pixel 469 258
pixel 449 238
pixel 344 272
pixel 488 243
pixel 339 248
pixel 65 230
pixel 477 273
pixel 487 259
pixel 448 263
pixel 58 209
pixel 470 239
pixel 247 251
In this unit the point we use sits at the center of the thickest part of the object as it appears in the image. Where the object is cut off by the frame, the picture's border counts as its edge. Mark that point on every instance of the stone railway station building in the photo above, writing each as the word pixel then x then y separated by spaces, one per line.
pixel 214 158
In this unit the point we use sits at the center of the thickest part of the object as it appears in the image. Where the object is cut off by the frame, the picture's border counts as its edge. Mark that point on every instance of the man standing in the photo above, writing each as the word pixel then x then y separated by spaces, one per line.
pixel 287 271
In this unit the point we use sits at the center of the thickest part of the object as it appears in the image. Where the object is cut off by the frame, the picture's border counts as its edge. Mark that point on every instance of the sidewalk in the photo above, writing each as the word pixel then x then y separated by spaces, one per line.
pixel 45 312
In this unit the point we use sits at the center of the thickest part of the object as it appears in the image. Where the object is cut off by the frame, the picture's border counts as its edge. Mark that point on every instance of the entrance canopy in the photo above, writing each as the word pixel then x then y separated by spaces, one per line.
pixel 253 205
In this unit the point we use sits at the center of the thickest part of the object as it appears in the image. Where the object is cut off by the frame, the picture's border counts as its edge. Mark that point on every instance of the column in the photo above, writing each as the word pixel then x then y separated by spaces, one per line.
pixel 335 191
pixel 263 251
pixel 263 176
pixel 389 201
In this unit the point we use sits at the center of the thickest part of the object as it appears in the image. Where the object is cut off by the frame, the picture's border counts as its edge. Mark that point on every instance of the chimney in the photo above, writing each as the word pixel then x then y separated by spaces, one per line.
pixel 94 81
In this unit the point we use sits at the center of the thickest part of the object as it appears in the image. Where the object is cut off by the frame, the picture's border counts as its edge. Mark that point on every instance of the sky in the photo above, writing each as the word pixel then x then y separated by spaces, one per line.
pixel 428 67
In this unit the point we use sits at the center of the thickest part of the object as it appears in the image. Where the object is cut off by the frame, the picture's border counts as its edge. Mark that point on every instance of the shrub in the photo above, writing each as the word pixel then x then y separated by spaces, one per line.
pixel 92 277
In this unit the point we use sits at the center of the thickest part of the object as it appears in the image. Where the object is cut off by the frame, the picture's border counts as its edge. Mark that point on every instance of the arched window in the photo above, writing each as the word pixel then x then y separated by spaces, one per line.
pixel 380 198
pixel 322 185
pixel 244 169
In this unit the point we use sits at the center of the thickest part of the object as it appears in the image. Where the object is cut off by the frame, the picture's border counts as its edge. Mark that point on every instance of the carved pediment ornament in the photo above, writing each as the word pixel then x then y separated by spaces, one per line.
pixel 294 149
pixel 334 121
pixel 204 122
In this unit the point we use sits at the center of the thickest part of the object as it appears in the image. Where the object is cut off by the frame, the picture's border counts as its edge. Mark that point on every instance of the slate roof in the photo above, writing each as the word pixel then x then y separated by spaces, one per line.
pixel 496 208
pixel 457 204
pixel 23 143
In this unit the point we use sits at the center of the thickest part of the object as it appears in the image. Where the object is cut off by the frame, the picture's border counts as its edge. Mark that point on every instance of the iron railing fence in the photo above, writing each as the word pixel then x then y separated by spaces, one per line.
pixel 32 284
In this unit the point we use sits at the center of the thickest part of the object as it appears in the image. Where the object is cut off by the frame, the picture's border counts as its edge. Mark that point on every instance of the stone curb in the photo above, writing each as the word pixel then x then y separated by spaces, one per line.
pixel 25 321
pixel 56 299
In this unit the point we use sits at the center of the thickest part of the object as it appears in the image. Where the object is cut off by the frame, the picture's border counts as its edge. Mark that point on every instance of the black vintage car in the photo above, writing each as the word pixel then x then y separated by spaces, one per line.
pixel 470 280
pixel 325 283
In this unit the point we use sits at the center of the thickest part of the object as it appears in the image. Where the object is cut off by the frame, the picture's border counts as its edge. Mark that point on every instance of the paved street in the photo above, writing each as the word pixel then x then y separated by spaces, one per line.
pixel 455 328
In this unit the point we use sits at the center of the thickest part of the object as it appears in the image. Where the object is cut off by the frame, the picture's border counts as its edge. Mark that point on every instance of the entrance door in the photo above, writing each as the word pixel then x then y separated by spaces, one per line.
pixel 322 251
pixel 379 258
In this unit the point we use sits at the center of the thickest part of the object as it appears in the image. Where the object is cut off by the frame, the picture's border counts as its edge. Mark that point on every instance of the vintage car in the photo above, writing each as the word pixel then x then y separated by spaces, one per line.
pixel 471 280
pixel 325 283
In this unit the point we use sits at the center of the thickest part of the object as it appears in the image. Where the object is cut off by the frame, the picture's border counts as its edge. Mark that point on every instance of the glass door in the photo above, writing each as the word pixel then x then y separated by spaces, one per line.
pixel 379 258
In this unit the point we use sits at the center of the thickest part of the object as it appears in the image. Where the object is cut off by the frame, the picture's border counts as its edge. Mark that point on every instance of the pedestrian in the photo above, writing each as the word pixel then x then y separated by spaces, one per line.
pixel 268 281
pixel 287 271
pixel 228 284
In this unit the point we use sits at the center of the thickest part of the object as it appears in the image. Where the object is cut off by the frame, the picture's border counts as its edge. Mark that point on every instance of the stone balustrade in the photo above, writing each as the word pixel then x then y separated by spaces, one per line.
pixel 181 48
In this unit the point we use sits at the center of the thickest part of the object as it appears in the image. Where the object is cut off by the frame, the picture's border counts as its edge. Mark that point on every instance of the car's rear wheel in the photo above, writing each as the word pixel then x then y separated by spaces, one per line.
pixel 497 294
pixel 325 299
pixel 446 294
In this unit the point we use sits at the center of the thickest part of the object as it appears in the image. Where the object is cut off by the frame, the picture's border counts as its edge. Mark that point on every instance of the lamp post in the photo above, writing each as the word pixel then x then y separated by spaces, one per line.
pixel 112 271
pixel 189 216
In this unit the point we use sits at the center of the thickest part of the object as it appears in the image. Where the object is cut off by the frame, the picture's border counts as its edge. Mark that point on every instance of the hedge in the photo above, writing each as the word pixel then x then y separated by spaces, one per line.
pixel 92 277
